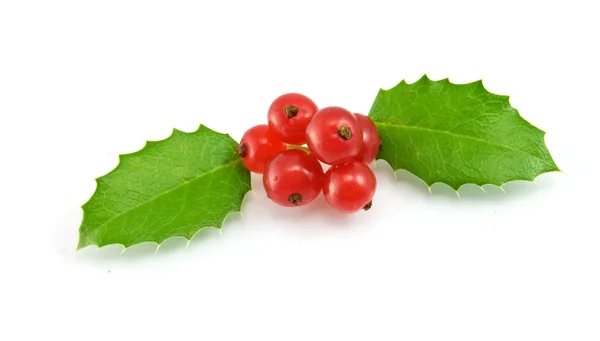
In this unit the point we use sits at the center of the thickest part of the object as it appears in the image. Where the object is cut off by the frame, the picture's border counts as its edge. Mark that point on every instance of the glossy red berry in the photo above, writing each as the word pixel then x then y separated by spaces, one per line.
pixel 258 146
pixel 349 187
pixel 293 178
pixel 334 135
pixel 371 140
pixel 289 115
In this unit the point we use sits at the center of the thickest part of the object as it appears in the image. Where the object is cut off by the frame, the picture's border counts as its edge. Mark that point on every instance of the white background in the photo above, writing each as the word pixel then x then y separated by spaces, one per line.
pixel 84 81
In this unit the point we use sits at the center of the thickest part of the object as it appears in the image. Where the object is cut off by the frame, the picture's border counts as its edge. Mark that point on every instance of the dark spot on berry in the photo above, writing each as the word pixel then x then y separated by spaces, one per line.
pixel 368 205
pixel 290 111
pixel 345 133
pixel 241 149
pixel 295 198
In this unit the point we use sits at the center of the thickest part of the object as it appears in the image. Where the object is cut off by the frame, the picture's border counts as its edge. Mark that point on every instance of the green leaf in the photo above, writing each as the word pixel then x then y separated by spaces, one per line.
pixel 173 187
pixel 457 134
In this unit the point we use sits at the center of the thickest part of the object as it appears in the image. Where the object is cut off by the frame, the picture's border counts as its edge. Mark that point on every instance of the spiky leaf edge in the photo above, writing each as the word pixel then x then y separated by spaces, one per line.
pixel 480 83
pixel 121 157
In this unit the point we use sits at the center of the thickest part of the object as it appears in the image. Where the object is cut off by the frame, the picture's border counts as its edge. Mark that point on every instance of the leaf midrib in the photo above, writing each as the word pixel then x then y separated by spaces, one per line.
pixel 464 137
pixel 225 165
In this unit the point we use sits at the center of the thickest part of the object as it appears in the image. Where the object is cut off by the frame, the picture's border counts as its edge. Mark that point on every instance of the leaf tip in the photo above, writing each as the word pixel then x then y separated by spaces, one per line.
pixel 480 83
pixel 80 246
pixel 176 131
pixel 231 137
pixel 204 128
pixel 424 78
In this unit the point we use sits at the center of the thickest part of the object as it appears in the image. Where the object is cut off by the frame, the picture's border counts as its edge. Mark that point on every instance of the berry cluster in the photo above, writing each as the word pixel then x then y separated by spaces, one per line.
pixel 334 136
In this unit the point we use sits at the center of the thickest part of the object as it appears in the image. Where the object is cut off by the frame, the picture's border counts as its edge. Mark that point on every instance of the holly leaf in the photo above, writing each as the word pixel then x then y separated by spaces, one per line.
pixel 170 188
pixel 457 134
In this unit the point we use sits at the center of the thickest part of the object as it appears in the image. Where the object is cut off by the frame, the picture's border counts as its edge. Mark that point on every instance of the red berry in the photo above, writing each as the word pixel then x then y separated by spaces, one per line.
pixel 349 187
pixel 293 178
pixel 334 135
pixel 371 141
pixel 258 146
pixel 289 115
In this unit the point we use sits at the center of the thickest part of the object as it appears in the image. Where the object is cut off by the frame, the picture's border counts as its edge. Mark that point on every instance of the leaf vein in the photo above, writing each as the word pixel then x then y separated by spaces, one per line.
pixel 464 137
pixel 152 199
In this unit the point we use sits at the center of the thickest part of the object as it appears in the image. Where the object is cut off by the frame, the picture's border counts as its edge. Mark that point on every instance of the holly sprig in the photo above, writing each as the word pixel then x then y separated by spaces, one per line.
pixel 455 134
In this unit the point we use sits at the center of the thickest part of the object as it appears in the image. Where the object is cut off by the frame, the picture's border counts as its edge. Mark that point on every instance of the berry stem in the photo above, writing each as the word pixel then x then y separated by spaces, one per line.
pixel 293 146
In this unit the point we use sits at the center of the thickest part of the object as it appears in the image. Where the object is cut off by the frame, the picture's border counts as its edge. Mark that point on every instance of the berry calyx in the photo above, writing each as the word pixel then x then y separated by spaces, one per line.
pixel 345 133
pixel 334 135
pixel 290 111
pixel 350 187
pixel 295 199
pixel 242 149
pixel 293 178
pixel 258 146
pixel 289 115
pixel 371 141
